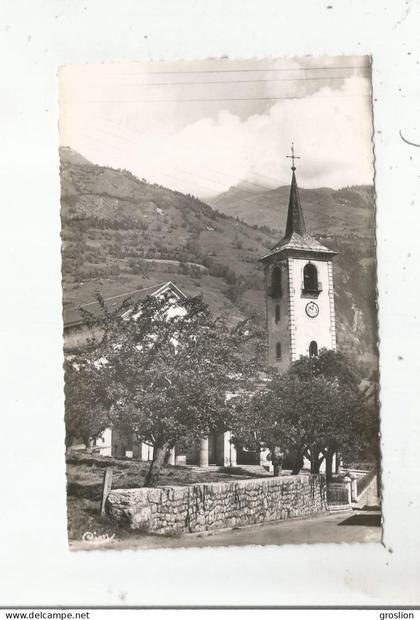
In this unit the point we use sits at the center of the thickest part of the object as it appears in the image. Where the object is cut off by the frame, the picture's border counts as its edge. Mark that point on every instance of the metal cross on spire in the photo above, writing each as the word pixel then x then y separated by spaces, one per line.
pixel 293 157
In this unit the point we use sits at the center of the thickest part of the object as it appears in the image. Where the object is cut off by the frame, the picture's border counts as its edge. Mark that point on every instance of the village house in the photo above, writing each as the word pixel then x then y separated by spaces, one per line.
pixel 214 450
pixel 77 332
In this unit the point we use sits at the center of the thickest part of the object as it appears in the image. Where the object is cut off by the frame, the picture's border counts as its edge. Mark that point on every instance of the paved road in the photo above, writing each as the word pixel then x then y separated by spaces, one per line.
pixel 357 526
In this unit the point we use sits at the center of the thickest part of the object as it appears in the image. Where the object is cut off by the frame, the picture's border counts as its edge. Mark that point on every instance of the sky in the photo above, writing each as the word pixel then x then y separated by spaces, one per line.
pixel 201 127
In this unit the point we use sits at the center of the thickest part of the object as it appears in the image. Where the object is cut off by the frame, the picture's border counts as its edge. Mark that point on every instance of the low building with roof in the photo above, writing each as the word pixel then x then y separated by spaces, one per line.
pixel 214 450
pixel 76 330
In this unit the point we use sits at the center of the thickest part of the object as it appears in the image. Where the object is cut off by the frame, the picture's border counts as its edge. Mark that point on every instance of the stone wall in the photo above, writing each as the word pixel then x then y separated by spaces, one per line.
pixel 213 506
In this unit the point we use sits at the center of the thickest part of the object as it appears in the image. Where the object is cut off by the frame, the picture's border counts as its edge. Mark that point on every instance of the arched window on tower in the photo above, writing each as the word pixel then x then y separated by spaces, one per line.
pixel 310 278
pixel 313 349
pixel 278 351
pixel 277 313
pixel 275 283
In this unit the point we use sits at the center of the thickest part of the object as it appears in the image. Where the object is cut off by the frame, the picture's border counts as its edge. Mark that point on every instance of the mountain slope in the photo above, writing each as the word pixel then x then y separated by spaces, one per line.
pixel 121 234
pixel 344 212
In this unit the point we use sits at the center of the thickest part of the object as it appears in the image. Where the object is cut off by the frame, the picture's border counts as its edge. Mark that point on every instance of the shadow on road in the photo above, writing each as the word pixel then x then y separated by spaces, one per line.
pixel 370 519
pixel 371 508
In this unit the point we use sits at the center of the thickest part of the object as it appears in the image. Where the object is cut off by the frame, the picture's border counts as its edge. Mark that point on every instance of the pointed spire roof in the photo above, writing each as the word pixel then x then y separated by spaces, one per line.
pixel 296 239
pixel 295 221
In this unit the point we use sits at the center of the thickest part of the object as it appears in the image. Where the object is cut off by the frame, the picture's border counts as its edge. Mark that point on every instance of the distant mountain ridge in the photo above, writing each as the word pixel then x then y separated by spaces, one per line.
pixel 71 157
pixel 345 211
pixel 120 233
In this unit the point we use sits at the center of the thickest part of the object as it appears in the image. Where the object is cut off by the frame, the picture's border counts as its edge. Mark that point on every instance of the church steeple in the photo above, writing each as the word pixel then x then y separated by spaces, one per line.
pixel 295 238
pixel 299 290
pixel 295 222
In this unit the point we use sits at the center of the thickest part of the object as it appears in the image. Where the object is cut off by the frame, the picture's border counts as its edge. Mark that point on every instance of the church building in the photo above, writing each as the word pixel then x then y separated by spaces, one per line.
pixel 300 320
pixel 299 291
pixel 300 315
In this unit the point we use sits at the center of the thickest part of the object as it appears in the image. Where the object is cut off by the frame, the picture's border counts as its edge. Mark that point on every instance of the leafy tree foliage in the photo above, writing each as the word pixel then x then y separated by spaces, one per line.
pixel 353 421
pixel 165 371
pixel 314 410
pixel 86 415
pixel 332 365
pixel 258 421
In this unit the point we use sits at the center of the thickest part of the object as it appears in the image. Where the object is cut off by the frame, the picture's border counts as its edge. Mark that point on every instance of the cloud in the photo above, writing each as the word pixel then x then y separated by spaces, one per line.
pixel 331 130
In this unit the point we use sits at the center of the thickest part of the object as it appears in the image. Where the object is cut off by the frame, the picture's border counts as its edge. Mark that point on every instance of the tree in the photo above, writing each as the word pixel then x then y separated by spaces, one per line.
pixel 330 364
pixel 86 415
pixel 341 417
pixel 258 422
pixel 291 417
pixel 167 369
pixel 312 411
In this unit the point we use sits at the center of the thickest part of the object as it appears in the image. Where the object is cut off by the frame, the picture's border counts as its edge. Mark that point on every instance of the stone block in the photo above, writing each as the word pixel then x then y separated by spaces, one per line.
pixel 154 495
pixel 142 518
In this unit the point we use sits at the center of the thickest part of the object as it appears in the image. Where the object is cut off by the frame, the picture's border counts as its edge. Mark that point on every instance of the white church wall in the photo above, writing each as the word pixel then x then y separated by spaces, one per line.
pixel 105 442
pixel 225 450
pixel 305 329
pixel 278 331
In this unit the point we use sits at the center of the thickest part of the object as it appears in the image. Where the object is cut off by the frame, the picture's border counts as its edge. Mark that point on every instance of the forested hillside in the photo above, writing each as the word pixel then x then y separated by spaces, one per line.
pixel 345 212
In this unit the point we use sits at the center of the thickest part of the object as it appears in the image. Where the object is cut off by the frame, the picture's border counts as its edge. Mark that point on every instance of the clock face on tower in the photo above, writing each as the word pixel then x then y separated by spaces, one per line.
pixel 312 309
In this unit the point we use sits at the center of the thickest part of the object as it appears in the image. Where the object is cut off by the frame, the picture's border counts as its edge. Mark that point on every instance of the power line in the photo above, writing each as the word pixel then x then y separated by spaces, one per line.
pixel 189 173
pixel 227 82
pixel 217 99
pixel 207 181
pixel 164 174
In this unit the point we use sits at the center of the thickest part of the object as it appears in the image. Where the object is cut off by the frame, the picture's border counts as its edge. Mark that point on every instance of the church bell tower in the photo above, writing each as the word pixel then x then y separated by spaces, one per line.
pixel 299 290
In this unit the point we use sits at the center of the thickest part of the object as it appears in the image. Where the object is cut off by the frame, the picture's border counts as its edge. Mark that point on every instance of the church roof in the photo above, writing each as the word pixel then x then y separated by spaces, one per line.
pixel 73 318
pixel 303 243
pixel 295 237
